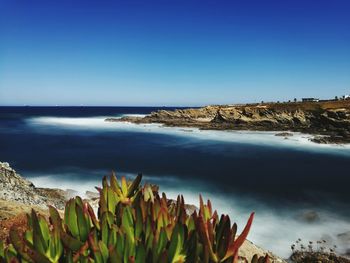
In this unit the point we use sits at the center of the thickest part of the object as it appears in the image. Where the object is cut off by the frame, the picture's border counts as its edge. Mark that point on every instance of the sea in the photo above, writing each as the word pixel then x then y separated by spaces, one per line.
pixel 297 188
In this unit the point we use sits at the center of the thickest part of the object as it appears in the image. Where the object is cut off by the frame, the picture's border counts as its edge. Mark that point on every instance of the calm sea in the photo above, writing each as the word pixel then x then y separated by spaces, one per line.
pixel 284 181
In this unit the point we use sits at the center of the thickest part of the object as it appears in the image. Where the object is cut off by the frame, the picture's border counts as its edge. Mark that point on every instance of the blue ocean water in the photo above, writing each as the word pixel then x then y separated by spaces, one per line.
pixel 73 147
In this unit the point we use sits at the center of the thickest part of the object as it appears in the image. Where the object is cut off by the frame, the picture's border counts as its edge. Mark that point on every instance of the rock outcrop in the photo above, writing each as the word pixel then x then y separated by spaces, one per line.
pixel 330 120
pixel 14 187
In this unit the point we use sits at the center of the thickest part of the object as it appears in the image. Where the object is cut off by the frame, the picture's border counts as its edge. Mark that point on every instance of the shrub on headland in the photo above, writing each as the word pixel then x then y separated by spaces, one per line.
pixel 134 223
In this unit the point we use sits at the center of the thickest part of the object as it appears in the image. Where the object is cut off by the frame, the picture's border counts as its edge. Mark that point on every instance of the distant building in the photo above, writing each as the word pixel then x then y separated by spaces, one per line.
pixel 346 97
pixel 310 99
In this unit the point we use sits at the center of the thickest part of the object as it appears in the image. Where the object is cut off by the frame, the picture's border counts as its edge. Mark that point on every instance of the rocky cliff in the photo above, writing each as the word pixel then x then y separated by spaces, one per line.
pixel 330 119
pixel 14 187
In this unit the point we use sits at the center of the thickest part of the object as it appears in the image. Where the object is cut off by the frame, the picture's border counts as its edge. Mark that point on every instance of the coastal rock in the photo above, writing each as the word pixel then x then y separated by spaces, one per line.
pixel 335 139
pixel 14 187
pixel 284 134
pixel 330 119
pixel 92 195
pixel 311 257
pixel 189 208
pixel 249 249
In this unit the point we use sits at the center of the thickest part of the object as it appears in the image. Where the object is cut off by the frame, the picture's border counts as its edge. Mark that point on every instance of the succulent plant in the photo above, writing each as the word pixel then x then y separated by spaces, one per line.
pixel 134 224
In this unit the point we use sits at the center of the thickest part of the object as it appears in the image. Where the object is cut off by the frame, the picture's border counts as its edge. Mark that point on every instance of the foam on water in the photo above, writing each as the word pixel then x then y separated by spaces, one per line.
pixel 298 141
pixel 71 123
pixel 134 115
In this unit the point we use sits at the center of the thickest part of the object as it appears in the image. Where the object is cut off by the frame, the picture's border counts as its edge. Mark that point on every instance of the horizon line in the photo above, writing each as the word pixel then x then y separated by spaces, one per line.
pixel 107 106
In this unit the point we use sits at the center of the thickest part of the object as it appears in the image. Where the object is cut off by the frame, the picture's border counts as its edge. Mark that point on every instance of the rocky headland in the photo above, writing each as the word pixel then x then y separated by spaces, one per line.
pixel 328 121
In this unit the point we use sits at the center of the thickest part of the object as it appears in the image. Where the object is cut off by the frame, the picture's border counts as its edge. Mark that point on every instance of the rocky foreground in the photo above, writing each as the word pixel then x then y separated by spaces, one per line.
pixel 328 121
pixel 18 196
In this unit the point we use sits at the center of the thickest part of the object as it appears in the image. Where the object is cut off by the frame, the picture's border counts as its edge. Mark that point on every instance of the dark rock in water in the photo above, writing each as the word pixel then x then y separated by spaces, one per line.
pixel 320 139
pixel 330 139
pixel 309 216
pixel 184 130
pixel 284 134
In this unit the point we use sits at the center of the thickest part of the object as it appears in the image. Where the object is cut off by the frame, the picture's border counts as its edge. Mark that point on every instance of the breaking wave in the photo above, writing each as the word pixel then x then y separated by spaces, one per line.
pixel 298 141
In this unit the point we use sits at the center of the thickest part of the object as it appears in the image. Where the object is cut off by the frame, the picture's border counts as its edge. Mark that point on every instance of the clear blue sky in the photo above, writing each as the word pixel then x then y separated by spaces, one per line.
pixel 172 52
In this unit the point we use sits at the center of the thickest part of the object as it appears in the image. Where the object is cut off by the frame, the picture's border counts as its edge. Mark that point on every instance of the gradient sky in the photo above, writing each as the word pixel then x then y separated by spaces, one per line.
pixel 172 52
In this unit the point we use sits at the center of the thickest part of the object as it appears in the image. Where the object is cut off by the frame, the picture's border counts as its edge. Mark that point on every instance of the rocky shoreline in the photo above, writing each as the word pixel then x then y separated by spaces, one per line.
pixel 18 196
pixel 329 122
pixel 15 188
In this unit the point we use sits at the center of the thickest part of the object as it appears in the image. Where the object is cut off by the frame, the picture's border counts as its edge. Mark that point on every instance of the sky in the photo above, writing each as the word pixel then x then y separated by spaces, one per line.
pixel 172 53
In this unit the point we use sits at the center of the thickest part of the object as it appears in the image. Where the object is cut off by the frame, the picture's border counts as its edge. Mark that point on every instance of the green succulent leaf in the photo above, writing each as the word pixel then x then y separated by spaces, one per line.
pixel 128 224
pixel 140 254
pixel 104 250
pixel 18 244
pixel 93 218
pixel 55 218
pixel 176 243
pixel 162 243
pixel 28 235
pixel 112 200
pixel 138 223
pixel 71 218
pixel 38 239
pixel 124 187
pixel 134 186
pixel 2 250
pixel 82 223
pixel 233 248
pixel 70 242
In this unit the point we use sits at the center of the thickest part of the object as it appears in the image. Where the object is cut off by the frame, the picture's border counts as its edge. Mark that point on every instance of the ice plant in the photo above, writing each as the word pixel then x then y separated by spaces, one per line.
pixel 133 224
